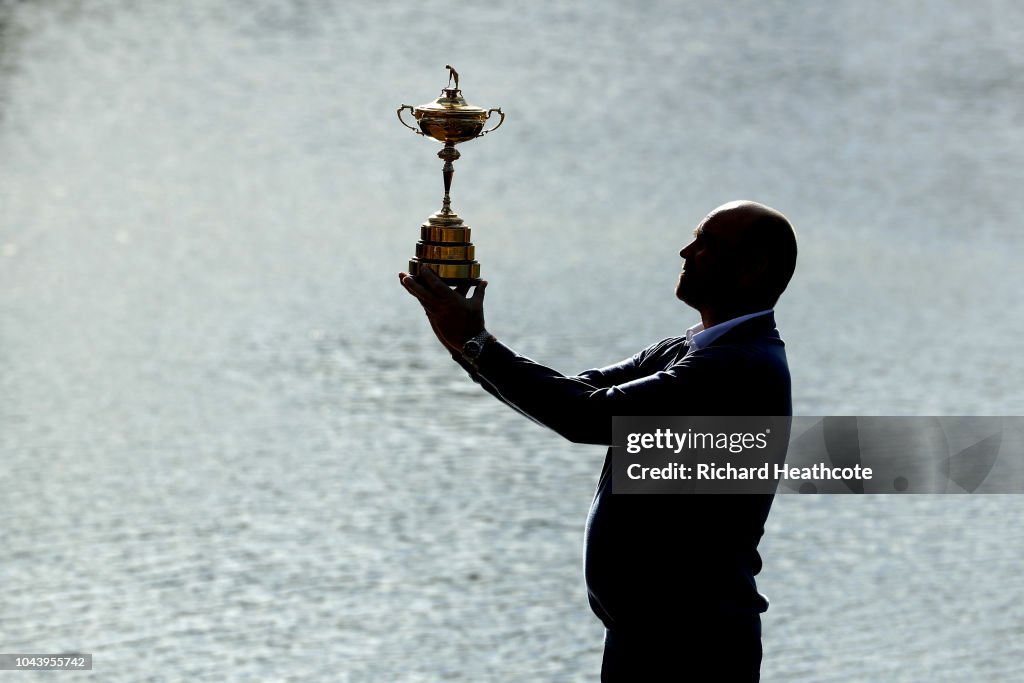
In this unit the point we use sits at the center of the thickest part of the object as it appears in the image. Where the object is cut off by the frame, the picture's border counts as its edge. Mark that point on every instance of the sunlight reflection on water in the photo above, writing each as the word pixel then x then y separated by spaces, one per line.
pixel 229 439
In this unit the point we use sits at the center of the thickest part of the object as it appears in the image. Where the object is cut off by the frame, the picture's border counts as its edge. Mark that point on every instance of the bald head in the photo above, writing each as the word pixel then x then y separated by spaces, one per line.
pixel 741 259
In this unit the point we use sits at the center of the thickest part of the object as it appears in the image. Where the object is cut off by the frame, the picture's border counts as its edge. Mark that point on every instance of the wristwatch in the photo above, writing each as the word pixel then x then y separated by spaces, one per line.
pixel 472 349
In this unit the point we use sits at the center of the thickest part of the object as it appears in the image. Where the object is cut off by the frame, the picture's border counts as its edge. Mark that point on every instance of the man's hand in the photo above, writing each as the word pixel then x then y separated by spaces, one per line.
pixel 454 317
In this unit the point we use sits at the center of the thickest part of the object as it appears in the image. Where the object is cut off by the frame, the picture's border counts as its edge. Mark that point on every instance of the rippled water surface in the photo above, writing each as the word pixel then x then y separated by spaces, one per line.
pixel 231 449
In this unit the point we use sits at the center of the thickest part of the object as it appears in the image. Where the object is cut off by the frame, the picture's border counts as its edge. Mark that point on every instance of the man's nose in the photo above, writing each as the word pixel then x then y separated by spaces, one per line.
pixel 684 250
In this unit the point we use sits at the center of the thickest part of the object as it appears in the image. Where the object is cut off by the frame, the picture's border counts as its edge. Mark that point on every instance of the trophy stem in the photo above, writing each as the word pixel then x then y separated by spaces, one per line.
pixel 448 154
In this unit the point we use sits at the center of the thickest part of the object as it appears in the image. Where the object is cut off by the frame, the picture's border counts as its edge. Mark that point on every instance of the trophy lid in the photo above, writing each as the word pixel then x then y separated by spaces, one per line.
pixel 450 103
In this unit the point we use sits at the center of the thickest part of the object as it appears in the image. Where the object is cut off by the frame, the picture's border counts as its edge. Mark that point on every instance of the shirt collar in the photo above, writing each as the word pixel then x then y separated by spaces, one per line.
pixel 698 338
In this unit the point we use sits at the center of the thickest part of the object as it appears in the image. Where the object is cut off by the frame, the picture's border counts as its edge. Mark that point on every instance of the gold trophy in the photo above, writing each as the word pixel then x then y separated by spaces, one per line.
pixel 444 239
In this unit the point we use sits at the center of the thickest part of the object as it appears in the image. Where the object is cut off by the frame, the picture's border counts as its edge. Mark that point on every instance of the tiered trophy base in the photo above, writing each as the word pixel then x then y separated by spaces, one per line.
pixel 445 248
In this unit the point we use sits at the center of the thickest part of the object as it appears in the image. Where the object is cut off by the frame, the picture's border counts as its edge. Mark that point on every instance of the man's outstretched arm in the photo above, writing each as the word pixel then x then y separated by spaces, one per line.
pixel 575 408
pixel 578 408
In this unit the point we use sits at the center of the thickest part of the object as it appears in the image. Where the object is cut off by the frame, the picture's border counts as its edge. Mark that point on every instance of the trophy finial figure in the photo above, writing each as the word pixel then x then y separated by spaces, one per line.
pixel 452 75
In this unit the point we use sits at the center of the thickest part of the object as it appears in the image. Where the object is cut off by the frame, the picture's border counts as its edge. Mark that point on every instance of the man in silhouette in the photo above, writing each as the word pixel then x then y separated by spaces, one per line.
pixel 670 576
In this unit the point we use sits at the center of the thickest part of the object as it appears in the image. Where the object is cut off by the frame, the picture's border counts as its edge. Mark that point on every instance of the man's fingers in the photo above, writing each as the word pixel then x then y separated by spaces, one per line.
pixel 434 283
pixel 462 288
pixel 478 294
pixel 414 288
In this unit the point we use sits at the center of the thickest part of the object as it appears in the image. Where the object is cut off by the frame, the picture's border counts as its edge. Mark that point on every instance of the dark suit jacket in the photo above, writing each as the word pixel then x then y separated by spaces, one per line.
pixel 657 562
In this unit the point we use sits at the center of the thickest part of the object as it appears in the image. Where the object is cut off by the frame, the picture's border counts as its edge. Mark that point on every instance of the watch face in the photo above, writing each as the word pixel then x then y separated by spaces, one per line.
pixel 475 346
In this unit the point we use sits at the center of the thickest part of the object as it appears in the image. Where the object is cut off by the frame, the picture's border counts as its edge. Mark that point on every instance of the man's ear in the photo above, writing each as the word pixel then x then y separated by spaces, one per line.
pixel 753 274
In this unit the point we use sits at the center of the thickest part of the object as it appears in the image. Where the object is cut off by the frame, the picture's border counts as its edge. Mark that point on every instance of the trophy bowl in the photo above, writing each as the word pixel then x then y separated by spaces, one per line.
pixel 449 119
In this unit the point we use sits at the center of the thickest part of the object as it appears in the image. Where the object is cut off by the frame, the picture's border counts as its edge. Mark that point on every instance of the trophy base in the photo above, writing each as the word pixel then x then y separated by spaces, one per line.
pixel 444 247
pixel 450 274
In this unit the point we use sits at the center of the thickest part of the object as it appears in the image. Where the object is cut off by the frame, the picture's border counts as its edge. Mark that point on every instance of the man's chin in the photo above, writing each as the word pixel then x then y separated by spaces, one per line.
pixel 684 294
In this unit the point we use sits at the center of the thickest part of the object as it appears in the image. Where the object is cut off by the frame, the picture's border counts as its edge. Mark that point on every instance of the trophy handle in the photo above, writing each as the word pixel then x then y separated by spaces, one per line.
pixel 402 121
pixel 500 121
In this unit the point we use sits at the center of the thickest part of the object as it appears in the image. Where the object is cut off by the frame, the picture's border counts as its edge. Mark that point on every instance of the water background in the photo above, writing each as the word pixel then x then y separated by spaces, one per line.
pixel 230 447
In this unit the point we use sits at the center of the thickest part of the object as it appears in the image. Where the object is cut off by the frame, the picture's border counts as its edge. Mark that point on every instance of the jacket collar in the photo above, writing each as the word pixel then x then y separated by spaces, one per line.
pixel 759 326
